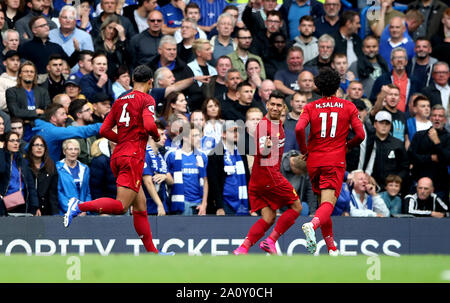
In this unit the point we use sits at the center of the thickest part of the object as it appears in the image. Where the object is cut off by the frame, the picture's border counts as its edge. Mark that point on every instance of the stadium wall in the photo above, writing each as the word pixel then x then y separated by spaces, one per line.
pixel 216 235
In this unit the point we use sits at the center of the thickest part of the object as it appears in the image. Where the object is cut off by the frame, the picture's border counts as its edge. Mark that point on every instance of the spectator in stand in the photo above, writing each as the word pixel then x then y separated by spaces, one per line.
pixel 396 39
pixel 17 127
pixel 253 72
pixel 391 195
pixel 285 80
pixel 385 154
pixel 370 65
pixel 210 11
pixel 265 89
pixel 340 64
pixel 14 10
pixel 45 176
pixel 255 18
pixel 240 56
pixel 144 46
pixel 347 40
pixel 216 86
pixel 73 175
pixel 2 131
pixel 81 112
pixel 112 41
pixel 102 180
pixel 238 110
pixel 27 100
pixel 439 91
pixel 84 63
pixel 429 153
pixel 261 39
pixel 16 176
pixel 399 76
pixel 275 57
pixel 222 43
pixel 199 67
pixel 298 101
pixel 97 81
pixel 27 50
pixel 22 25
pixel 364 200
pixel 421 65
pixel 213 116
pixel 54 132
pixel 192 13
pixel 432 12
pixel 228 175
pixel 232 79
pixel 65 101
pixel 137 13
pixel 187 165
pixel 72 88
pixel 101 106
pixel 68 33
pixel 176 103
pixel 173 13
pixel 326 49
pixel 9 77
pixel 155 176
pixel 297 9
pixel 425 203
pixel 329 22
pixel 109 8
pixel 54 80
pixel 421 119
pixel 10 42
pixel 306 39
pixel 123 81
pixel 355 91
pixel 48 10
pixel 84 16
pixel 385 14
pixel 306 85
pixel 388 100
pixel 293 168
pixel 188 33
pixel 441 42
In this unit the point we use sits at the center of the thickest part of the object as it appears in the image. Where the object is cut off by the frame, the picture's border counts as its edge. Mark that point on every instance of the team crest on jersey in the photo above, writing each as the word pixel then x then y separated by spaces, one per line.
pixel 137 183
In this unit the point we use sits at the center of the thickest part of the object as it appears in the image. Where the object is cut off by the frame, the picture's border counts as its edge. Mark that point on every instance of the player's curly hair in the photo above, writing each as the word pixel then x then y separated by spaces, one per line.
pixel 327 81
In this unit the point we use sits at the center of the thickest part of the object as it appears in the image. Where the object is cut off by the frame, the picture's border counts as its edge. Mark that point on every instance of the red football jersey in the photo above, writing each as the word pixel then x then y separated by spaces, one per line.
pixel 330 119
pixel 134 116
pixel 266 167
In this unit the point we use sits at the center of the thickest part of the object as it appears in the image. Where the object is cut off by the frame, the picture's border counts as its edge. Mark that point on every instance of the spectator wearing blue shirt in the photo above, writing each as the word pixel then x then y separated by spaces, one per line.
pixel 156 176
pixel 173 15
pixel 188 167
pixel 391 194
pixel 67 35
pixel 73 178
pixel 54 133
pixel 210 11
pixel 299 8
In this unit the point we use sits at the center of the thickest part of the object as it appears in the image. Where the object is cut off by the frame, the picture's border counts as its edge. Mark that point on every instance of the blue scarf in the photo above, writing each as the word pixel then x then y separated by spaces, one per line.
pixel 178 186
pixel 240 206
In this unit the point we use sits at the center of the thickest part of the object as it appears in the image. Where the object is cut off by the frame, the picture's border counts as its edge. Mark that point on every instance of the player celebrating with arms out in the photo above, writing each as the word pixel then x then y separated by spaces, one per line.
pixel 268 189
pixel 330 119
pixel 134 116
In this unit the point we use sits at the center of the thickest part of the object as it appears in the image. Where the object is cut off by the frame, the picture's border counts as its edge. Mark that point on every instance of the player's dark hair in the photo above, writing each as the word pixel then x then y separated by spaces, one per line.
pixel 142 74
pixel 327 81
pixel 276 94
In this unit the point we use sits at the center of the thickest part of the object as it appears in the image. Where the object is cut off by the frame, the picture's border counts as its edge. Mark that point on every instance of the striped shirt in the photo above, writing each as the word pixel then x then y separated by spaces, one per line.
pixel 210 11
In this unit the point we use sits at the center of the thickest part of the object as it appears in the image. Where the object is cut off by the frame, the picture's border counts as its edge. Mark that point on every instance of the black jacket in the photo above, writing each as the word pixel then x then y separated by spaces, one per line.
pixel 420 152
pixel 433 94
pixel 216 177
pixel 16 100
pixel 46 185
pixel 30 194
pixel 364 68
pixel 341 44
pixel 391 158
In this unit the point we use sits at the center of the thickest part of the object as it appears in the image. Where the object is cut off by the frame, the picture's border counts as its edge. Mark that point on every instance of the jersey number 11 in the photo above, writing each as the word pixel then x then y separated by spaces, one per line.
pixel 323 130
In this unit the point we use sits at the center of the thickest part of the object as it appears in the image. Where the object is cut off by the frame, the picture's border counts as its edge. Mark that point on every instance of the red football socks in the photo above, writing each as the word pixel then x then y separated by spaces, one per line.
pixel 142 227
pixel 103 206
pixel 327 233
pixel 322 215
pixel 255 233
pixel 286 220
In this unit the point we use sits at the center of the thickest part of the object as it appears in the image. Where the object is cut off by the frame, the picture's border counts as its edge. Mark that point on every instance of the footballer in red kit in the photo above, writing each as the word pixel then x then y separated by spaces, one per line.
pixel 133 115
pixel 268 188
pixel 330 119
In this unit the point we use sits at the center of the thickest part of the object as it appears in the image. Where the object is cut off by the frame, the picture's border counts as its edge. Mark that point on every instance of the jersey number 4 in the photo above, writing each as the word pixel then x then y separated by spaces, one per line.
pixel 125 116
pixel 323 130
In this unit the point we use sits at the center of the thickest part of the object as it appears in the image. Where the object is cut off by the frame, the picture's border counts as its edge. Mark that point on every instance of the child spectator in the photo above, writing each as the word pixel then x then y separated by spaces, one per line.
pixel 340 64
pixel 391 194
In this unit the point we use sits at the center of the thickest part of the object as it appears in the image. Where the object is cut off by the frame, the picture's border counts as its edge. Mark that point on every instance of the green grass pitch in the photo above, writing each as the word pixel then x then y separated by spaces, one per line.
pixel 182 268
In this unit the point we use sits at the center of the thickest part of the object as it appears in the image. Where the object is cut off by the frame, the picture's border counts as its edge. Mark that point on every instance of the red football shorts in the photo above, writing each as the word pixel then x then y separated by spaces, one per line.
pixel 274 196
pixel 128 172
pixel 327 177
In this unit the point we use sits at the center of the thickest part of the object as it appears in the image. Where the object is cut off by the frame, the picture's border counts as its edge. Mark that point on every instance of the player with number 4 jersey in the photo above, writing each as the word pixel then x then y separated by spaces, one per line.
pixel 133 115
pixel 330 119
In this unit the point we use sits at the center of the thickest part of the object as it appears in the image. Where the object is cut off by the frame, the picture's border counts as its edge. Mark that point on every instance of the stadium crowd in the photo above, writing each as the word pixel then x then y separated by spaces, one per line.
pixel 215 64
